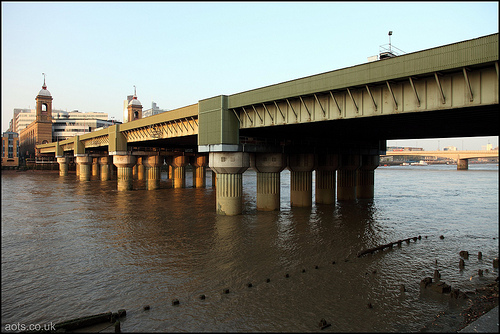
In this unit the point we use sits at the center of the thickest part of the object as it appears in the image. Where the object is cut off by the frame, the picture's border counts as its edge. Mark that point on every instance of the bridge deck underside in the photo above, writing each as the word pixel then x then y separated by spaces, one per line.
pixel 462 122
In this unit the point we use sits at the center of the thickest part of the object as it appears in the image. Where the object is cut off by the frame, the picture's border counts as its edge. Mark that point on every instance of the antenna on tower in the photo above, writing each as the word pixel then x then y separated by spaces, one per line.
pixel 44 85
pixel 135 94
pixel 390 34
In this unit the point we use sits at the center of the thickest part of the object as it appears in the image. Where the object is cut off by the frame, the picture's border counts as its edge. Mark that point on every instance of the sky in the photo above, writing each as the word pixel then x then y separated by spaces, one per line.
pixel 177 53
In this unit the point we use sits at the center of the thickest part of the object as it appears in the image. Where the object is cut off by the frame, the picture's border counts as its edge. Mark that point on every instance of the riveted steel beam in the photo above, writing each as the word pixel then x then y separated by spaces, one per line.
pixel 373 100
pixel 392 94
pixel 300 97
pixel 278 107
pixel 264 105
pixel 261 120
pixel 289 104
pixel 439 87
pixel 467 84
pixel 192 127
pixel 322 109
pixel 352 99
pixel 414 91
pixel 251 121
pixel 336 103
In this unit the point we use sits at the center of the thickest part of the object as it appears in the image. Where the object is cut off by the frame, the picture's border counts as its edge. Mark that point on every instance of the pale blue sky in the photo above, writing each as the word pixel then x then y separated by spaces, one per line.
pixel 178 53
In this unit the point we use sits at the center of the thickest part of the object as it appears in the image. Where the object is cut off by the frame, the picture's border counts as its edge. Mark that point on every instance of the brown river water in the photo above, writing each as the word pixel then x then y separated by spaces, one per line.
pixel 72 249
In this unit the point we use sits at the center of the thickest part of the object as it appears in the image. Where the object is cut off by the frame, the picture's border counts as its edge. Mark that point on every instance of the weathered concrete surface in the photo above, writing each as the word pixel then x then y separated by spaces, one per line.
pixel 487 323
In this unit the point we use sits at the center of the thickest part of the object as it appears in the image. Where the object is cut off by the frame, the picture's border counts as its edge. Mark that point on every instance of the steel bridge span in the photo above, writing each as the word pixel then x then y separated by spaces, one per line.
pixel 335 123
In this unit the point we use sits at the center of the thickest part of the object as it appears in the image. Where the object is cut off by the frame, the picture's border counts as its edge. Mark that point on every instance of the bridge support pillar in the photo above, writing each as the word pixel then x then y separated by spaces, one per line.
pixel 301 166
pixel 95 166
pixel 84 162
pixel 229 167
pixel 63 165
pixel 125 176
pixel 268 167
pixel 105 168
pixel 153 167
pixel 347 176
pixel 365 186
pixel 140 168
pixel 462 164
pixel 326 166
pixel 199 163
pixel 179 164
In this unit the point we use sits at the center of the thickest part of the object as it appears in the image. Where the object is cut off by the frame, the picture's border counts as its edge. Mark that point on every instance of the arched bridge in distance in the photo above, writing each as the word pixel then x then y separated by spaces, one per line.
pixel 336 123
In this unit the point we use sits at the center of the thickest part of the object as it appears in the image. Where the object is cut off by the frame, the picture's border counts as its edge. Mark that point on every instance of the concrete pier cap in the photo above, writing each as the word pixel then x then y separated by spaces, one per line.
pixel 268 162
pixel 327 162
pixel 301 162
pixel 152 161
pixel 370 161
pixel 124 160
pixel 199 161
pixel 229 162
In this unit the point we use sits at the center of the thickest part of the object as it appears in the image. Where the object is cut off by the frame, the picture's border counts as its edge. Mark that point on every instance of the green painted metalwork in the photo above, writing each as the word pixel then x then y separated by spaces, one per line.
pixel 117 141
pixel 218 125
pixel 467 53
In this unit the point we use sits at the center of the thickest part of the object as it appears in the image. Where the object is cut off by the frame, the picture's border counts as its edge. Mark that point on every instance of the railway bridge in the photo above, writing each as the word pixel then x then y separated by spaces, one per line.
pixel 334 123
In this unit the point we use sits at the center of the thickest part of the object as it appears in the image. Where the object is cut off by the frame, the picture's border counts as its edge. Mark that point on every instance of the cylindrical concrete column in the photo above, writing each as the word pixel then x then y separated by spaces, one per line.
pixel 229 167
pixel 268 191
pixel 462 164
pixel 365 186
pixel 325 186
pixel 326 167
pixel 268 167
pixel 301 189
pixel 347 176
pixel 125 176
pixel 95 166
pixel 301 166
pixel 105 168
pixel 229 194
pixel 77 169
pixel 153 169
pixel 141 170
pixel 85 163
pixel 179 164
pixel 199 163
pixel 63 165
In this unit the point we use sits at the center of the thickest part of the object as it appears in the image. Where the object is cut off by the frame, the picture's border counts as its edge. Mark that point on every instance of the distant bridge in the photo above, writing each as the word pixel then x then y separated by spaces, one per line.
pixel 461 157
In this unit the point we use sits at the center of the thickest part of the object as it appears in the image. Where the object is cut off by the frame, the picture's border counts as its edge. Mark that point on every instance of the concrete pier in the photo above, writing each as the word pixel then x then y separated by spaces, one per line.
pixel 326 167
pixel 347 176
pixel 365 183
pixel 462 164
pixel 301 166
pixel 140 167
pixel 85 163
pixel 63 165
pixel 229 167
pixel 199 162
pixel 95 166
pixel 179 164
pixel 105 163
pixel 268 167
pixel 125 176
pixel 152 165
